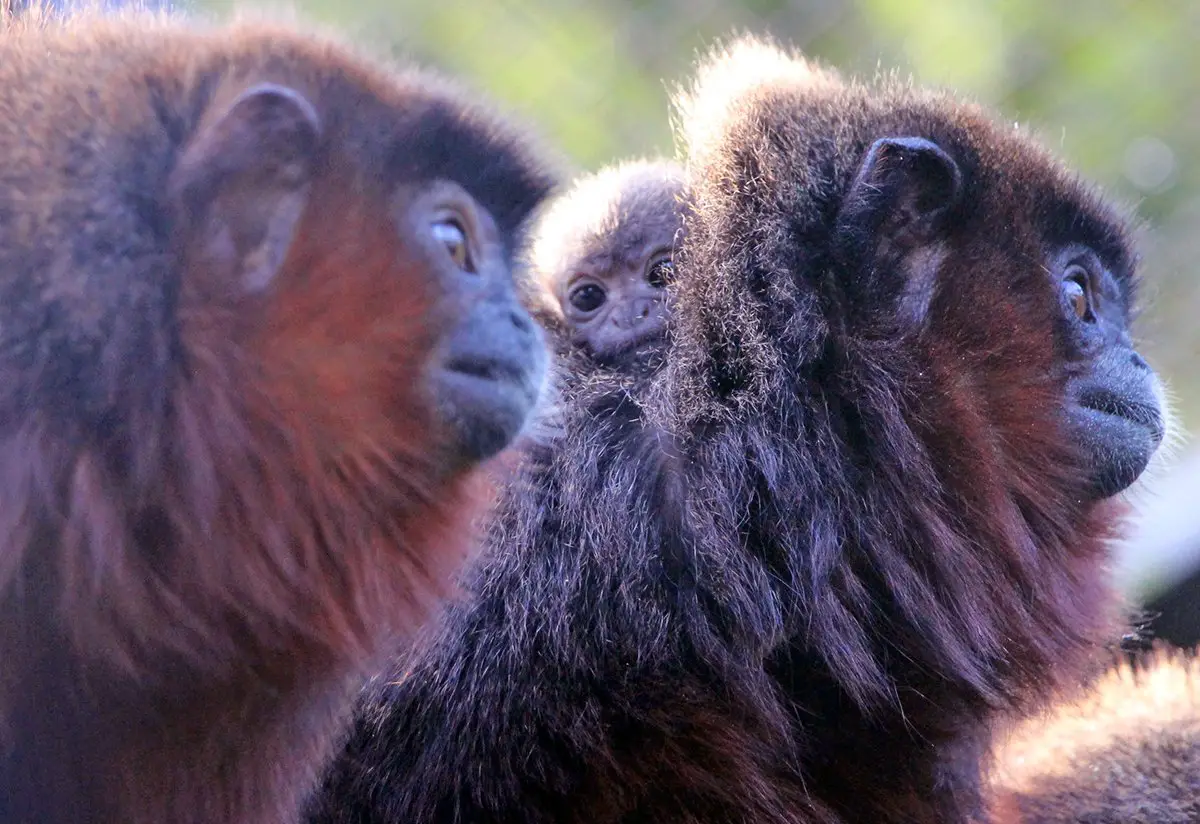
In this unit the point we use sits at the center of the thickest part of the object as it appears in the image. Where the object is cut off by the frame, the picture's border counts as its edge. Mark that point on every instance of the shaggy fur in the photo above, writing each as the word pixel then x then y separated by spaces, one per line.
pixel 1126 751
pixel 217 506
pixel 798 573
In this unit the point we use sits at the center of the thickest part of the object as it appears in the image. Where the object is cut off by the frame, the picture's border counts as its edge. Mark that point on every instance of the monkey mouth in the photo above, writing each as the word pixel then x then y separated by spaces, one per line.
pixel 633 343
pixel 1141 414
pixel 486 400
pixel 504 381
pixel 487 369
pixel 649 336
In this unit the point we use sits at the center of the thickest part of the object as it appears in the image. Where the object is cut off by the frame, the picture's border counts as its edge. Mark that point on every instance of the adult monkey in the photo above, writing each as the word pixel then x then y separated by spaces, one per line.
pixel 799 573
pixel 257 330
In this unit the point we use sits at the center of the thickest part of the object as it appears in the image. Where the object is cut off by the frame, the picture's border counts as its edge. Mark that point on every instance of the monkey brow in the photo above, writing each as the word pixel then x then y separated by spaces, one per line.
pixel 598 262
pixel 1103 234
pixel 620 253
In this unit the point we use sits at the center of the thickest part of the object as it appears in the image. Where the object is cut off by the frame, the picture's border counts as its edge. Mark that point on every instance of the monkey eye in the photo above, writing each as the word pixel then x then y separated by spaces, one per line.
pixel 660 273
pixel 587 298
pixel 451 235
pixel 1075 288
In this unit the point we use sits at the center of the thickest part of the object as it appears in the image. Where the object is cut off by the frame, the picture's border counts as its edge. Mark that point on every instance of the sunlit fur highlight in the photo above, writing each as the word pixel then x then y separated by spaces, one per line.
pixel 1126 748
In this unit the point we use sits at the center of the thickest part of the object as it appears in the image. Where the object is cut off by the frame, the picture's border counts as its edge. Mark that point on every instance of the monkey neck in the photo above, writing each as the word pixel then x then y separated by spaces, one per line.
pixel 906 631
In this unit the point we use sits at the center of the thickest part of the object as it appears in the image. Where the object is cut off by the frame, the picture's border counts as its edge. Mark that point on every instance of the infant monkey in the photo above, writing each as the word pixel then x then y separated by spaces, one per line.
pixel 603 251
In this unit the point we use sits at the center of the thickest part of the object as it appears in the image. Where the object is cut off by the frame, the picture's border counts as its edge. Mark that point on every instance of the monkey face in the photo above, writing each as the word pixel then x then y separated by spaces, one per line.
pixel 491 360
pixel 916 231
pixel 1114 405
pixel 616 309
pixel 393 282
pixel 603 257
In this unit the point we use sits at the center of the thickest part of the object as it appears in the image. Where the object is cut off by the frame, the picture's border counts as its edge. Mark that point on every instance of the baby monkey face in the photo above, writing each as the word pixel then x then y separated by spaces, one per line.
pixel 615 302
pixel 603 253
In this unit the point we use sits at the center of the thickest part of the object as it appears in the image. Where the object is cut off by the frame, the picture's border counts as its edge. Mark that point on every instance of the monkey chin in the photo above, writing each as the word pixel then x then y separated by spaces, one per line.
pixel 1118 437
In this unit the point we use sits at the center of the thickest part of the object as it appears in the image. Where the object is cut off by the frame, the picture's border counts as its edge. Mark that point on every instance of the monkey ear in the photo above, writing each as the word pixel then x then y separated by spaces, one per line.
pixel 905 189
pixel 242 183
pixel 902 193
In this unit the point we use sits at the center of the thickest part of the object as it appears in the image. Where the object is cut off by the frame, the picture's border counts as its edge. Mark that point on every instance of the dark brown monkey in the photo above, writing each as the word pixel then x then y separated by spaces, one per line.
pixel 1126 751
pixel 257 329
pixel 859 515
pixel 603 253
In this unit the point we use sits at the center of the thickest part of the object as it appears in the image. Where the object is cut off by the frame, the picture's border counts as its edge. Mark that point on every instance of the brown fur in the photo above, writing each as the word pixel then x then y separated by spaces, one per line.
pixel 217 506
pixel 1125 751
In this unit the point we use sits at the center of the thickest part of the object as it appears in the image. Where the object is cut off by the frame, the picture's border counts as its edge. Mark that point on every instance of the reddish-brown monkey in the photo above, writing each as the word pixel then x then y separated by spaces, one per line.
pixel 858 517
pixel 257 330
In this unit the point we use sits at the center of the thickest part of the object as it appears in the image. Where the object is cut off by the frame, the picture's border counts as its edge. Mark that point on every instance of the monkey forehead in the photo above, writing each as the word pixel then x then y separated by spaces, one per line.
pixel 759 115
pixel 405 124
pixel 609 218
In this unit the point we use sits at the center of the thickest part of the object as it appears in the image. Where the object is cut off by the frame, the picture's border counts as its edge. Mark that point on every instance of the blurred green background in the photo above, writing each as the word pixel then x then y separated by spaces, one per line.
pixel 1113 85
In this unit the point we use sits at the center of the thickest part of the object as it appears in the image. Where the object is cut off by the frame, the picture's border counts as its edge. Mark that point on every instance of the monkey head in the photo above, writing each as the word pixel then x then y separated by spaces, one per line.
pixel 908 193
pixel 299 318
pixel 603 252
pixel 243 184
pixel 909 231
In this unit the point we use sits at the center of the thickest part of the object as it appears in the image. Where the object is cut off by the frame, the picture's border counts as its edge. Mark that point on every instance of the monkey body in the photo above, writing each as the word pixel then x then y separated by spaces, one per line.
pixel 859 515
pixel 238 435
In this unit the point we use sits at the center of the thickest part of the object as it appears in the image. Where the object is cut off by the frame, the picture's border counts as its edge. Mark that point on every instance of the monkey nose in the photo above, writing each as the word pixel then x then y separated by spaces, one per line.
pixel 642 308
pixel 635 313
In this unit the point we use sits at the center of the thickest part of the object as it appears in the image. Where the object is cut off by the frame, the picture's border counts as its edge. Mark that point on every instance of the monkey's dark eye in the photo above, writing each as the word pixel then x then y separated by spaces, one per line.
pixel 1075 288
pixel 452 236
pixel 660 273
pixel 588 298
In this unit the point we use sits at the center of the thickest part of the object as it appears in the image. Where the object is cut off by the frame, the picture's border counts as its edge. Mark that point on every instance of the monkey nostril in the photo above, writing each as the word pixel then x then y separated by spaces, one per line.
pixel 640 311
pixel 1138 361
pixel 521 320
